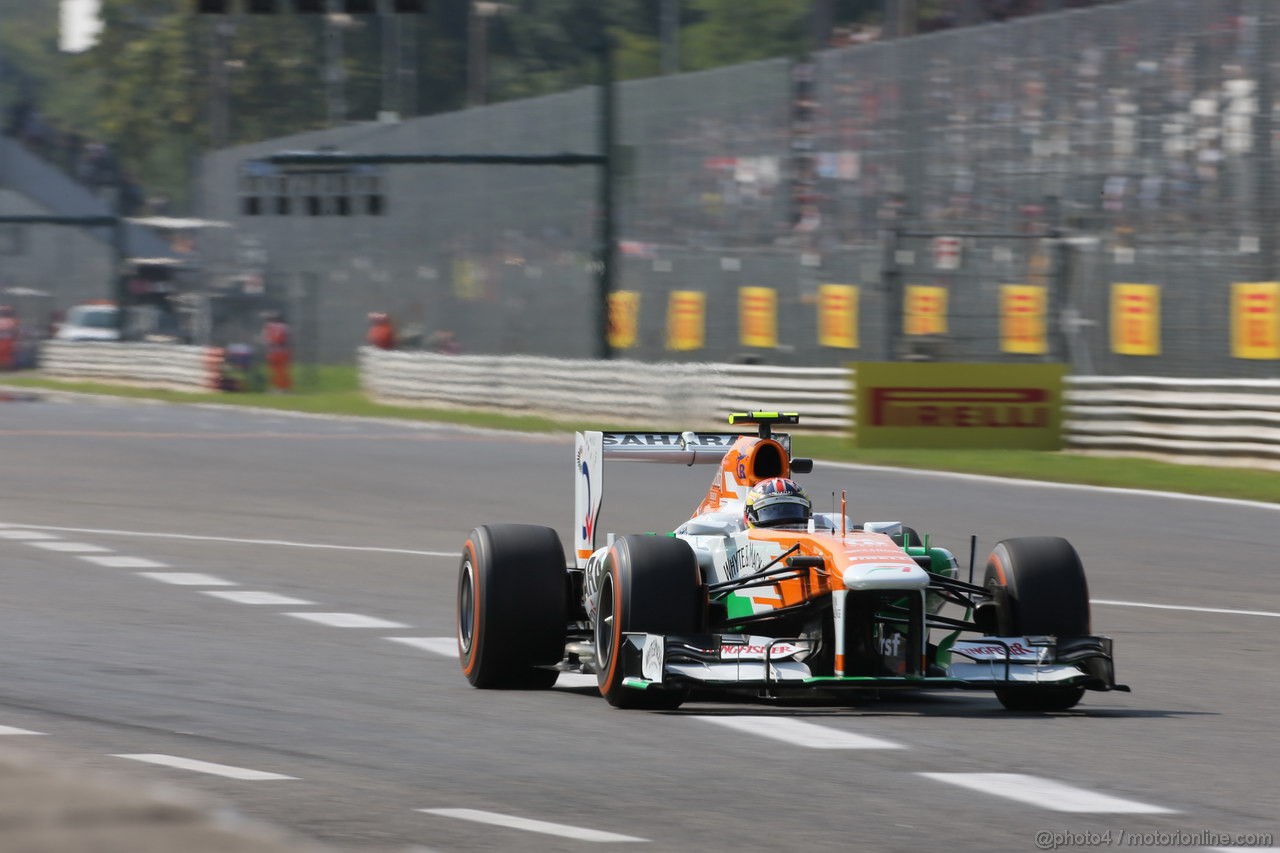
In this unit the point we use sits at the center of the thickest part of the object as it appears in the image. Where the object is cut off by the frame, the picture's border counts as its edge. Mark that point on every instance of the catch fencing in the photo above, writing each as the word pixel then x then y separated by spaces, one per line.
pixel 1126 143
pixel 178 368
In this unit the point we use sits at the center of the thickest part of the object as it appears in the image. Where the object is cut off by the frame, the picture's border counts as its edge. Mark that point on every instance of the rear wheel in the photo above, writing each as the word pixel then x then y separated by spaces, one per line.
pixel 652 584
pixel 1044 592
pixel 512 606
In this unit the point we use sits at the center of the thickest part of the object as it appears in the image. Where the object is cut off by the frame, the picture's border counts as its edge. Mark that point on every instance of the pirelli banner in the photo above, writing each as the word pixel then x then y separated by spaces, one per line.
pixel 989 406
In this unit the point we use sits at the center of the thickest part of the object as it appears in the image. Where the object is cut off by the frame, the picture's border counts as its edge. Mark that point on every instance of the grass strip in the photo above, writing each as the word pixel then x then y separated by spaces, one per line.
pixel 336 391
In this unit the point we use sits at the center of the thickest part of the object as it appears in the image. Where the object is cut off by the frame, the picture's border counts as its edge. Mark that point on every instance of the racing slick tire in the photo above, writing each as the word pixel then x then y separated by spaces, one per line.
pixel 651 584
pixel 1045 592
pixel 512 607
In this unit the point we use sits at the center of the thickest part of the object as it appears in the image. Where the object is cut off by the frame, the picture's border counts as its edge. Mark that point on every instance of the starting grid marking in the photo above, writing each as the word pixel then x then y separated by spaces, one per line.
pixel 118 562
pixel 347 620
pixel 443 646
pixel 186 578
pixel 226 770
pixel 25 535
pixel 72 547
pixel 1045 793
pixel 562 830
pixel 244 596
pixel 798 732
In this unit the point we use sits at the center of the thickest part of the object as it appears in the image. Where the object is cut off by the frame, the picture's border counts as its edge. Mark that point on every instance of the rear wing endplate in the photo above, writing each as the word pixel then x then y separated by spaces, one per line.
pixel 591 448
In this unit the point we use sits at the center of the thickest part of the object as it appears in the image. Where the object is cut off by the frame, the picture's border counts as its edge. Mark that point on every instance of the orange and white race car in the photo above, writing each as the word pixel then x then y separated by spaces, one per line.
pixel 757 592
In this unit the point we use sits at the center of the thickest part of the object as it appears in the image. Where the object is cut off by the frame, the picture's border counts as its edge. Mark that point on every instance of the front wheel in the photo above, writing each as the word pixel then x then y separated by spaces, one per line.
pixel 651 584
pixel 512 606
pixel 1040 589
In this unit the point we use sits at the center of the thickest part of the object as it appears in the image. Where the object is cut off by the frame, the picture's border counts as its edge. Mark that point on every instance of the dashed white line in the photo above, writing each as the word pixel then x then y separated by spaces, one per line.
pixel 799 733
pixel 1185 607
pixel 446 646
pixel 25 535
pixel 244 596
pixel 72 547
pixel 347 620
pixel 577 833
pixel 1046 793
pixel 117 562
pixel 224 539
pixel 10 730
pixel 185 578
pixel 242 773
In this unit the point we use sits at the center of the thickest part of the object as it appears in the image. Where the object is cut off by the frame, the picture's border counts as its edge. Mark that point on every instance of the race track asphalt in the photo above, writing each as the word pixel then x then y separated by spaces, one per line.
pixel 103 660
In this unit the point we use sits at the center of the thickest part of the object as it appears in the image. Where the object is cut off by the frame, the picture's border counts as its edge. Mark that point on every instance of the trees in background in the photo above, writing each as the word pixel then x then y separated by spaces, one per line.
pixel 149 86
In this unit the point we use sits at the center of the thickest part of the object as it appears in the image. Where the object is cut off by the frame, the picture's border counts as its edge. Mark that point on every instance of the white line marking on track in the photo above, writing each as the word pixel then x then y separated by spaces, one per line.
pixel 10 730
pixel 118 562
pixel 72 547
pixel 347 620
pixel 511 822
pixel 25 535
pixel 1045 484
pixel 799 733
pixel 444 646
pixel 185 578
pixel 1245 849
pixel 1045 793
pixel 241 773
pixel 1183 607
pixel 224 539
pixel 244 596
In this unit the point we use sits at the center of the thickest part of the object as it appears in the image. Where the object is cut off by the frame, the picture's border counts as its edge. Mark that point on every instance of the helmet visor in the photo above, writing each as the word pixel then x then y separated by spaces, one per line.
pixel 780 510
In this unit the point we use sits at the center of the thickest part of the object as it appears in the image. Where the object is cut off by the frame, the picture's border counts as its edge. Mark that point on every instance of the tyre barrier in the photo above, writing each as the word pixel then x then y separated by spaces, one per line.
pixel 167 366
pixel 677 395
pixel 1222 422
pixel 214 357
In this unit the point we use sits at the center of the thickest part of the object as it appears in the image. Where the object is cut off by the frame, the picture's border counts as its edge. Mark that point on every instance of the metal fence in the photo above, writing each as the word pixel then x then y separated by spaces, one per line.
pixel 1126 143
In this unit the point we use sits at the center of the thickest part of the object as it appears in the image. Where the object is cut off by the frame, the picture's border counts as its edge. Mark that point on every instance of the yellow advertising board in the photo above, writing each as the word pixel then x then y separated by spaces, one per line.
pixel 1022 319
pixel 624 317
pixel 758 316
pixel 954 405
pixel 1135 319
pixel 686 320
pixel 924 310
pixel 838 316
pixel 1255 320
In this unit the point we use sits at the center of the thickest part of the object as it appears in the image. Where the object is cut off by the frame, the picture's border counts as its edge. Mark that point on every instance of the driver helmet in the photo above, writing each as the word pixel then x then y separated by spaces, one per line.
pixel 777 502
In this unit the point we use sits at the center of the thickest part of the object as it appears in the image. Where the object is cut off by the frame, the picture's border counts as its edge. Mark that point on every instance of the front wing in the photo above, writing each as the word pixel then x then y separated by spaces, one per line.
pixel 737 661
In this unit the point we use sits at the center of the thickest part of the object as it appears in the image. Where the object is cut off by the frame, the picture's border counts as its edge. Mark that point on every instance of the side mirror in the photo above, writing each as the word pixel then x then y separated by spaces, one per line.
pixel 800 465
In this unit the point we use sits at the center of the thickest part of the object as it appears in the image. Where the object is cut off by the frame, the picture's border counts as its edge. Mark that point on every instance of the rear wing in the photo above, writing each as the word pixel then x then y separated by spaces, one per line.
pixel 592 448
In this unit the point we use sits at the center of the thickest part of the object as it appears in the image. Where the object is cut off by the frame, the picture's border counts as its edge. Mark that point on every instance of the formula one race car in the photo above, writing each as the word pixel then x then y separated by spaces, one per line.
pixel 748 595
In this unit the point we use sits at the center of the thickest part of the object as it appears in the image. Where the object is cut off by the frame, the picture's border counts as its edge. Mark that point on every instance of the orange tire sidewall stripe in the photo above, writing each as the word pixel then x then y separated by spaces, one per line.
pixel 615 573
pixel 473 654
pixel 999 567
